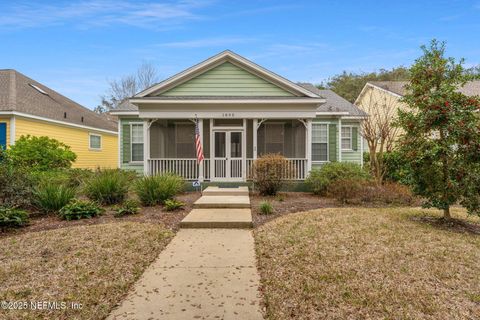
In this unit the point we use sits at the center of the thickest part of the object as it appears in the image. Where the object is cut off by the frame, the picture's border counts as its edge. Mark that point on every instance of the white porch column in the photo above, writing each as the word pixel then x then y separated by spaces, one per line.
pixel 340 139
pixel 255 124
pixel 308 149
pixel 244 150
pixel 201 165
pixel 212 151
pixel 146 146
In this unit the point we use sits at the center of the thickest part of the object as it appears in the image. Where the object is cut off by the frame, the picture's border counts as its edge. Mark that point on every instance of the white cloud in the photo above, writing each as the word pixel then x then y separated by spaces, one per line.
pixel 207 42
pixel 87 13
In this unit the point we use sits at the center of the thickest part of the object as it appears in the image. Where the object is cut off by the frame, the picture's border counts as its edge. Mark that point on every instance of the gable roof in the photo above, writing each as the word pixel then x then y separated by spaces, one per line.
pixel 334 103
pixel 471 88
pixel 226 56
pixel 19 93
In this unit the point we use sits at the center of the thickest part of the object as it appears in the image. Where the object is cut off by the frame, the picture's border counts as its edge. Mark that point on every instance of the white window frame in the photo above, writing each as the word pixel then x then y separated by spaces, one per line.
pixel 131 124
pixel 90 141
pixel 328 142
pixel 351 138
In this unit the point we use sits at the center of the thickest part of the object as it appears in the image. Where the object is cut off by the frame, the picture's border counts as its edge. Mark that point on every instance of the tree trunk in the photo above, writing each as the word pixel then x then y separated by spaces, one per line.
pixel 446 213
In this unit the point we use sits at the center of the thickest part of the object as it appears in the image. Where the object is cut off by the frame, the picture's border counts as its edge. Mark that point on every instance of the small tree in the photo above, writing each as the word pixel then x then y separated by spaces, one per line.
pixel 41 153
pixel 270 172
pixel 442 133
pixel 378 129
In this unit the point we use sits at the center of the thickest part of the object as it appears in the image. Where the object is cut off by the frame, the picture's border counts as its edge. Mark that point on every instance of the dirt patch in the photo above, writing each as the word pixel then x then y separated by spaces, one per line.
pixel 155 215
pixel 287 202
pixel 454 225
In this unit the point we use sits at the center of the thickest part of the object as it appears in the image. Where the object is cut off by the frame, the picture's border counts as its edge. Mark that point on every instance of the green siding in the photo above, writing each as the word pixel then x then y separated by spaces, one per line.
pixel 125 145
pixel 332 142
pixel 227 79
pixel 356 154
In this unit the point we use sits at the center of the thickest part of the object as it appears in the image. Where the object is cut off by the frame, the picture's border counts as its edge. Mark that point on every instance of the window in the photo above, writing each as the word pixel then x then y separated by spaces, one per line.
pixel 137 142
pixel 319 142
pixel 346 138
pixel 95 141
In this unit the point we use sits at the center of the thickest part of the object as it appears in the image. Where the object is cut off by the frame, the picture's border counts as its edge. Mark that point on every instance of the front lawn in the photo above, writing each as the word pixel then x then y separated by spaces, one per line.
pixel 369 263
pixel 93 265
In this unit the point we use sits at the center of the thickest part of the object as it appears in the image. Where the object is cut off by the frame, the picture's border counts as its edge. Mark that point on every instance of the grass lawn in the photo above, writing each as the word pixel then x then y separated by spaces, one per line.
pixel 90 264
pixel 361 263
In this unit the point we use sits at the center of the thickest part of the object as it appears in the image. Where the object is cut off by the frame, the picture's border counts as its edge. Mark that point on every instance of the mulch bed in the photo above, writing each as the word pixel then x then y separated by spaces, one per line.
pixel 287 202
pixel 155 214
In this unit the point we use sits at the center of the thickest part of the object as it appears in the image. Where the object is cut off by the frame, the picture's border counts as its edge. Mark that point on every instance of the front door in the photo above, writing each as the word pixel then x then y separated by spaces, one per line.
pixel 227 160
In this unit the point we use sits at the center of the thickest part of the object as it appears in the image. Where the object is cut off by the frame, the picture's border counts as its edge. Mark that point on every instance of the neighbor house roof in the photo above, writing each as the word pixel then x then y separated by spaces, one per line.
pixel 471 88
pixel 334 103
pixel 21 94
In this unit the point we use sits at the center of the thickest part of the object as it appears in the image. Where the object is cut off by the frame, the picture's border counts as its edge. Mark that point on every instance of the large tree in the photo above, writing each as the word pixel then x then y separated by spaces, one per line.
pixel 441 137
pixel 348 85
pixel 128 86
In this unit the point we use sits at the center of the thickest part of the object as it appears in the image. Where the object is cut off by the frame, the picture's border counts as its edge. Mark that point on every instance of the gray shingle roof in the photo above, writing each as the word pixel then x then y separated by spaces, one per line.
pixel 18 93
pixel 334 103
pixel 471 88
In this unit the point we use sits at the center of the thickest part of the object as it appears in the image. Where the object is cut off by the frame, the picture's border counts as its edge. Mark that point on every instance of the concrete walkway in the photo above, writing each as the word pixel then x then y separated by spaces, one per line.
pixel 206 273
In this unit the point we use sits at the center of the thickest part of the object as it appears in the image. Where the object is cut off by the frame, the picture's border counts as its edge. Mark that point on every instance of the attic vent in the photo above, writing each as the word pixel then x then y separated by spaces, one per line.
pixel 38 89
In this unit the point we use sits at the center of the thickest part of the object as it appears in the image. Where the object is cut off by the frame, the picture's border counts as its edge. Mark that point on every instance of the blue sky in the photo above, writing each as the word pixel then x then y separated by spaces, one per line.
pixel 75 47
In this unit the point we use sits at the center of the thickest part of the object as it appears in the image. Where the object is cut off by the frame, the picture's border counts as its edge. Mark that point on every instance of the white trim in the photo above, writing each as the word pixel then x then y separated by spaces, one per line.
pixel 308 147
pixel 244 150
pixel 124 113
pixel 229 101
pixel 368 84
pixel 360 135
pixel 90 141
pixel 12 131
pixel 332 114
pixel 328 141
pixel 339 139
pixel 26 115
pixel 146 146
pixel 220 58
pixel 130 144
pixel 255 129
pixel 120 143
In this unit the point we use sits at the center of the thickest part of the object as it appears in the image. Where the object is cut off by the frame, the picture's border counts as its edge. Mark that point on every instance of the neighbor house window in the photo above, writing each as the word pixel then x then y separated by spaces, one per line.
pixel 346 138
pixel 95 141
pixel 319 142
pixel 137 142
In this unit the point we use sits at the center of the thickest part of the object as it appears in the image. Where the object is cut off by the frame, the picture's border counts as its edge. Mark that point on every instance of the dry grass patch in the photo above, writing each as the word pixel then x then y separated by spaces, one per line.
pixel 92 265
pixel 361 263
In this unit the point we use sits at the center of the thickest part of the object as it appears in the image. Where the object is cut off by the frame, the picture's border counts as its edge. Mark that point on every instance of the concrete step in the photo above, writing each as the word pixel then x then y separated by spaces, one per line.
pixel 222 202
pixel 217 191
pixel 218 218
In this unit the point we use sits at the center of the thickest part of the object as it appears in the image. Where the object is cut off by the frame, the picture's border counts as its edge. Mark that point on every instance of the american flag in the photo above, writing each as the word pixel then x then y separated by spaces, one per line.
pixel 198 143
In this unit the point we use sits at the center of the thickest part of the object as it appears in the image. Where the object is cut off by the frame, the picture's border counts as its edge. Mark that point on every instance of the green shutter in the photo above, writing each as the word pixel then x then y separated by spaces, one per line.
pixel 126 143
pixel 332 142
pixel 354 138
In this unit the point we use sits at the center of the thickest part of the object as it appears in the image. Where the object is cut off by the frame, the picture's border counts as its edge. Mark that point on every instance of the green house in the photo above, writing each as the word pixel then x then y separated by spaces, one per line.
pixel 242 111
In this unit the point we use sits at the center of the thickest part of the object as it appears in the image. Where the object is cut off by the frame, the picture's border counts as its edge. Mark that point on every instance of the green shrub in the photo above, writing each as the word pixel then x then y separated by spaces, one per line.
pixel 319 180
pixel 128 207
pixel 51 197
pixel 152 190
pixel 108 186
pixel 79 209
pixel 41 153
pixel 270 172
pixel 266 207
pixel 12 217
pixel 16 185
pixel 389 193
pixel 77 176
pixel 344 190
pixel 172 205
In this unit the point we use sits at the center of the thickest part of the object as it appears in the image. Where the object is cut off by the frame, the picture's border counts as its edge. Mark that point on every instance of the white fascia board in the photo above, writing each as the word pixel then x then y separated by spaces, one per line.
pixel 124 113
pixel 332 113
pixel 243 114
pixel 363 92
pixel 239 101
pixel 225 55
pixel 63 123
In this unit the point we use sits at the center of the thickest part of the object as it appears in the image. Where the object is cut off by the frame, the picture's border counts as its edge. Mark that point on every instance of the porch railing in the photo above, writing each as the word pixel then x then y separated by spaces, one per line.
pixel 188 168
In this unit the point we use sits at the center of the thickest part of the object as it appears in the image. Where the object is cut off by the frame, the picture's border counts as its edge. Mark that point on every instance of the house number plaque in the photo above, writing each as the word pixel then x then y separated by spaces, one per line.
pixel 228 114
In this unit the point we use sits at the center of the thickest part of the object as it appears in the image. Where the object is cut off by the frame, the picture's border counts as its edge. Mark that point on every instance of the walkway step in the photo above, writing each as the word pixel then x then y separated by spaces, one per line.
pixel 217 191
pixel 218 218
pixel 222 202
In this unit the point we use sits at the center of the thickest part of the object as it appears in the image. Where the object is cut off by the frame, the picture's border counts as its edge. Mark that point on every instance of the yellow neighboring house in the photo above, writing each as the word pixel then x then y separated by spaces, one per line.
pixel 30 108
pixel 382 98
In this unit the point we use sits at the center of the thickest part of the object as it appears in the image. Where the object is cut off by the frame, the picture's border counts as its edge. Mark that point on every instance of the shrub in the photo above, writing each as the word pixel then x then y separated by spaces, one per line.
pixel 173 204
pixel 76 177
pixel 16 185
pixel 319 180
pixel 128 207
pixel 270 172
pixel 266 207
pixel 12 217
pixel 152 190
pixel 50 197
pixel 388 193
pixel 345 189
pixel 109 186
pixel 41 153
pixel 78 209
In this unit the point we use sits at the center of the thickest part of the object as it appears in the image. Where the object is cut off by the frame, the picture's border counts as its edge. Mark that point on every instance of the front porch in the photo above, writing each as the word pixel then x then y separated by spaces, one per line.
pixel 230 147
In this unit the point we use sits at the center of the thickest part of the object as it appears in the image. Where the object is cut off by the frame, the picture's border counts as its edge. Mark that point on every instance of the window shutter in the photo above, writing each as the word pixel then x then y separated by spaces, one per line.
pixel 126 143
pixel 355 138
pixel 332 142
